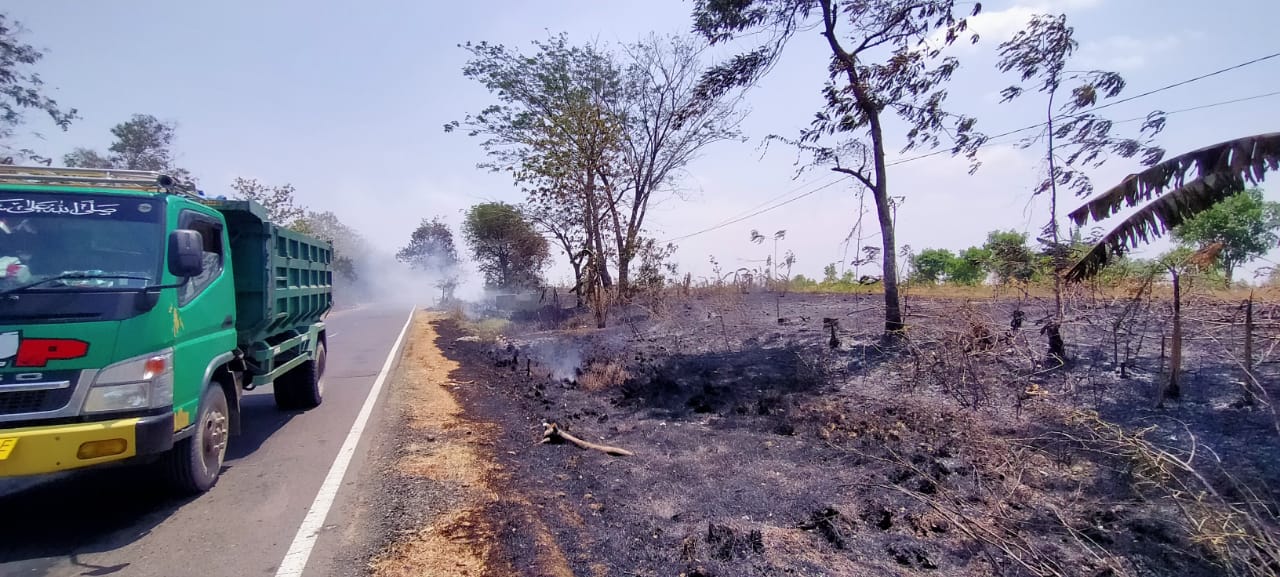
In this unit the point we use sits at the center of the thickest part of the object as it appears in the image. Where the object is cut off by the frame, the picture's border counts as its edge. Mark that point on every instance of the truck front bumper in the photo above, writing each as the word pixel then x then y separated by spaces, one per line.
pixel 48 449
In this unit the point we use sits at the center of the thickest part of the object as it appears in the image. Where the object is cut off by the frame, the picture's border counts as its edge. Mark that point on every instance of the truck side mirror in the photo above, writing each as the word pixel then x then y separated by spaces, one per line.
pixel 186 258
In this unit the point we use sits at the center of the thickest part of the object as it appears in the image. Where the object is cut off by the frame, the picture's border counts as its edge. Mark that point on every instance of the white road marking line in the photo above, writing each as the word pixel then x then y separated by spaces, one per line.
pixel 333 334
pixel 300 550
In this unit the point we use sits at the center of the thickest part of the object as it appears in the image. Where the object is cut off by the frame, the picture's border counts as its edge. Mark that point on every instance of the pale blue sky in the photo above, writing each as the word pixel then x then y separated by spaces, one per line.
pixel 345 100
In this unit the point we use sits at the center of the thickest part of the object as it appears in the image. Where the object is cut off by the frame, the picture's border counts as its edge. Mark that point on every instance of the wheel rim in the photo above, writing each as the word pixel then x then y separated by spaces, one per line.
pixel 320 360
pixel 213 440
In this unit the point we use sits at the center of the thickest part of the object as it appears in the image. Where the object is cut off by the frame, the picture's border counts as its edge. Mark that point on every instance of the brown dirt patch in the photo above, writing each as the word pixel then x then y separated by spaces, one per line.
pixel 457 541
pixel 444 462
pixel 455 545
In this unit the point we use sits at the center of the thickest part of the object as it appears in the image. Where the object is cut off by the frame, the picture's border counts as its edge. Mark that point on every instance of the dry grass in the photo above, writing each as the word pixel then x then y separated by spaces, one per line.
pixel 1239 532
pixel 487 330
pixel 602 376
pixel 461 541
pixel 1163 290
pixel 458 542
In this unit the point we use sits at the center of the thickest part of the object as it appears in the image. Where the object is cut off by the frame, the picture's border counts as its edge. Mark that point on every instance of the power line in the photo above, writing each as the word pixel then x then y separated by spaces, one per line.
pixel 774 199
pixel 829 184
pixel 1204 106
pixel 994 137
pixel 753 214
pixel 1182 83
pixel 1095 108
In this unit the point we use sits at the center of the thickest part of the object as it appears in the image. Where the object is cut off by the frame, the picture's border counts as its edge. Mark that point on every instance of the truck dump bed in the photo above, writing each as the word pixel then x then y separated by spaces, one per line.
pixel 283 278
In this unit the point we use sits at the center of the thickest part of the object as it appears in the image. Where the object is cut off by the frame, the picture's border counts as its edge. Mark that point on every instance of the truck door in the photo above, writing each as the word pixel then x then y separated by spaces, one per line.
pixel 204 317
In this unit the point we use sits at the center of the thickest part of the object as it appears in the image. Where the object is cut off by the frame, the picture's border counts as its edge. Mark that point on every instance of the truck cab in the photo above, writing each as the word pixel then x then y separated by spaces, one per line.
pixel 134 311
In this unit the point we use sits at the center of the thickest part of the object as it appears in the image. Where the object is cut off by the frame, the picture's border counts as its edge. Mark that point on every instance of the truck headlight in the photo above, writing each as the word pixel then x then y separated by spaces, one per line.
pixel 142 382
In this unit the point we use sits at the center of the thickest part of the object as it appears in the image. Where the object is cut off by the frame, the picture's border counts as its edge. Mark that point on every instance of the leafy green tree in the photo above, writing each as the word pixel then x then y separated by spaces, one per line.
pixel 1074 138
pixel 278 200
pixel 21 89
pixel 554 130
pixel 887 63
pixel 87 158
pixel 801 283
pixel 969 267
pixel 1010 258
pixel 1244 223
pixel 829 274
pixel 933 265
pixel 505 246
pixel 431 250
pixel 599 131
pixel 349 246
pixel 143 142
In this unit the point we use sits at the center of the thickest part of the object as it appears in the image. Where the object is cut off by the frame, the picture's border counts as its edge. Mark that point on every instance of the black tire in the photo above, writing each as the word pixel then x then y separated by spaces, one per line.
pixel 302 388
pixel 194 463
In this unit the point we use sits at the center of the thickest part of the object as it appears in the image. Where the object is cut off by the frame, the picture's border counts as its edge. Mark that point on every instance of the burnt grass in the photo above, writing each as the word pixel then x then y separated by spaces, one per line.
pixel 764 447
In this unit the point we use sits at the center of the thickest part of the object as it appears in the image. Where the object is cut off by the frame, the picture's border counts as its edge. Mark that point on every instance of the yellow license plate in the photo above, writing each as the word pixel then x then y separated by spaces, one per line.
pixel 6 447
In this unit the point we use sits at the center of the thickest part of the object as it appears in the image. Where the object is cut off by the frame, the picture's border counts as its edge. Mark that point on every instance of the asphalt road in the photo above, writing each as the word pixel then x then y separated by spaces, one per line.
pixel 117 522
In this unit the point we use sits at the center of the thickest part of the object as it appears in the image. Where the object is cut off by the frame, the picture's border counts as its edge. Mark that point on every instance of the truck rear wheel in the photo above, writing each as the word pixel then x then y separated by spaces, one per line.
pixel 194 463
pixel 302 388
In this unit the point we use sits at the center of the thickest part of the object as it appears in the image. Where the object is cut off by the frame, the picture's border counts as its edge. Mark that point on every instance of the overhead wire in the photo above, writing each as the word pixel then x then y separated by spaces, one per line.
pixel 756 213
pixel 992 138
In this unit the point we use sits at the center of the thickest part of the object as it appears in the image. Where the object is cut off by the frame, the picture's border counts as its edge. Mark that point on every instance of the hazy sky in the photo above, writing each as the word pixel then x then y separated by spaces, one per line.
pixel 346 100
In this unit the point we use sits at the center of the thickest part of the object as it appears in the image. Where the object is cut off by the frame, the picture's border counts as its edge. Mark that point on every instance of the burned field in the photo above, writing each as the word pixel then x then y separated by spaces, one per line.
pixel 778 435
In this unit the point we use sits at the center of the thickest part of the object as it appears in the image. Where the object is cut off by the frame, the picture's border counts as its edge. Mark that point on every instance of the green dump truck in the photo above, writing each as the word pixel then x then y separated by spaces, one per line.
pixel 133 313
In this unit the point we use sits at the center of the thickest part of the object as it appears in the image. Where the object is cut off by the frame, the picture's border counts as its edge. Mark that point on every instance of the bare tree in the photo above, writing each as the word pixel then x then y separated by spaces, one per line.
pixel 667 122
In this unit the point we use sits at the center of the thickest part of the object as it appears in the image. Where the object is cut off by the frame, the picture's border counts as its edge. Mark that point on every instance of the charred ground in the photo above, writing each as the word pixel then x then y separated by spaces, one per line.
pixel 764 446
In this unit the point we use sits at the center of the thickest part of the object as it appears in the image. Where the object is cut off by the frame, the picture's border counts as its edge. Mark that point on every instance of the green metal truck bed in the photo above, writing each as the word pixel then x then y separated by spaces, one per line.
pixel 284 279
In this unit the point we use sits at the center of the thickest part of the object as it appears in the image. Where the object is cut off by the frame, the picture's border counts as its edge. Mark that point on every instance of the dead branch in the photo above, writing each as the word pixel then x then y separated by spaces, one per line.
pixel 553 435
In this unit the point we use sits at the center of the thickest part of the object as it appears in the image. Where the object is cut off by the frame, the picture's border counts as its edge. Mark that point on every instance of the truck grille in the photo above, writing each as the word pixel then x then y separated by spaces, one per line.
pixel 19 402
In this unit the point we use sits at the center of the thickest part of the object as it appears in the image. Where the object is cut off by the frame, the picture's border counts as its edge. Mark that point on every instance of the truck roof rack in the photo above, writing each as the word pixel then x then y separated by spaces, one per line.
pixel 101 177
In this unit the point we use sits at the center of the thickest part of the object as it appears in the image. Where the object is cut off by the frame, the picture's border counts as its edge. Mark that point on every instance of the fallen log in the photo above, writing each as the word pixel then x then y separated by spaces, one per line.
pixel 551 434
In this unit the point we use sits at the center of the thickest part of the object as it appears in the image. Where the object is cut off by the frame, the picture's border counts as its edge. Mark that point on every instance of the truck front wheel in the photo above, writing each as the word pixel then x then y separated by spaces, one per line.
pixel 194 463
pixel 302 388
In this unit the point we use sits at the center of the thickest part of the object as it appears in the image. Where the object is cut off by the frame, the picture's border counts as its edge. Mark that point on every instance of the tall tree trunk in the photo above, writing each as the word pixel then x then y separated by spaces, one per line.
pixel 578 281
pixel 624 276
pixel 879 188
pixel 1174 389
pixel 1057 347
pixel 1053 219
pixel 1249 378
pixel 595 238
pixel 884 211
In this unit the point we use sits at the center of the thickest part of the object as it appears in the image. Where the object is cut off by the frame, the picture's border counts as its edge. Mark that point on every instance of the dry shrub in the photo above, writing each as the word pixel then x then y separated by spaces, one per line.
pixel 487 330
pixel 1239 531
pixel 600 376
pixel 454 311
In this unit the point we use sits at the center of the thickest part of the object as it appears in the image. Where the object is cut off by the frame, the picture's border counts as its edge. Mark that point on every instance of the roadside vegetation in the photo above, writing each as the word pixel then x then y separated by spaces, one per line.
pixel 1043 404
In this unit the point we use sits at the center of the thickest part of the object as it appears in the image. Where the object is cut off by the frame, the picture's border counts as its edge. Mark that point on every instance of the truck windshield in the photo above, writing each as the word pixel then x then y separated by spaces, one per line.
pixel 117 238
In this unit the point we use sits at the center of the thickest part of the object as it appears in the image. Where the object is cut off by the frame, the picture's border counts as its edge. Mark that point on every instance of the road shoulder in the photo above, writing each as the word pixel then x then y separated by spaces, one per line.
pixel 425 498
